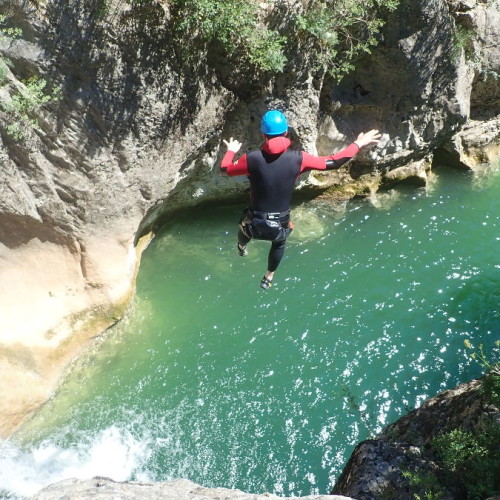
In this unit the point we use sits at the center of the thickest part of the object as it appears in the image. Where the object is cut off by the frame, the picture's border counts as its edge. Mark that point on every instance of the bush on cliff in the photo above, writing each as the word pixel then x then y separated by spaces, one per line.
pixel 469 459
pixel 26 101
pixel 331 32
pixel 7 35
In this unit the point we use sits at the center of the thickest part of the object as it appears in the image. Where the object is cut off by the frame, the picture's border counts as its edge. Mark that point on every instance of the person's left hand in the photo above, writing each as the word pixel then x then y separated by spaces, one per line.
pixel 232 145
pixel 365 138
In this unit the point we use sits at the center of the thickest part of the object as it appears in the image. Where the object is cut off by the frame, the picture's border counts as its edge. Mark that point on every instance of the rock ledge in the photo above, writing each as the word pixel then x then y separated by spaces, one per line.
pixel 101 488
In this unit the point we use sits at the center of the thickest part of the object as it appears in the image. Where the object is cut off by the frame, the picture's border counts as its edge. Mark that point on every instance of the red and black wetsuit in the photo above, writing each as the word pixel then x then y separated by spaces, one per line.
pixel 272 172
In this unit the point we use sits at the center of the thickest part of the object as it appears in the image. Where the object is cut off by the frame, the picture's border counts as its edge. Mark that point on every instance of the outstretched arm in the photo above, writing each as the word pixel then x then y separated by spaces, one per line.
pixel 335 161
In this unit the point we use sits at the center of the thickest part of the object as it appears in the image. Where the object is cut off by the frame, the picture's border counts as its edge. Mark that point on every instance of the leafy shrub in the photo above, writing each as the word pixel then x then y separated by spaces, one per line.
pixel 472 459
pixel 3 70
pixel 469 460
pixel 341 30
pixel 463 41
pixel 333 32
pixel 491 366
pixel 424 485
pixel 233 24
pixel 6 36
pixel 491 387
pixel 23 107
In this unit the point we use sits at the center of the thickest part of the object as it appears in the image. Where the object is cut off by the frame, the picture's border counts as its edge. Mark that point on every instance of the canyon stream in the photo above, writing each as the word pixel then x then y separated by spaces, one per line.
pixel 212 379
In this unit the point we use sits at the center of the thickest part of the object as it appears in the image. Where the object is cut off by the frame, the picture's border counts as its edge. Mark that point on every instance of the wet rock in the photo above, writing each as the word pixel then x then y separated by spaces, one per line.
pixel 415 173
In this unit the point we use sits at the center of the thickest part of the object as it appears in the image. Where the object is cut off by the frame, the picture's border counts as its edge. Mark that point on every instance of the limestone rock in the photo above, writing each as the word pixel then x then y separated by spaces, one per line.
pixel 414 173
pixel 376 466
pixel 78 193
pixel 179 489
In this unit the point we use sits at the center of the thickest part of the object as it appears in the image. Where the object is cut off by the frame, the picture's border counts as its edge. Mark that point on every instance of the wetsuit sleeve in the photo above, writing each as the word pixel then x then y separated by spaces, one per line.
pixel 233 168
pixel 335 161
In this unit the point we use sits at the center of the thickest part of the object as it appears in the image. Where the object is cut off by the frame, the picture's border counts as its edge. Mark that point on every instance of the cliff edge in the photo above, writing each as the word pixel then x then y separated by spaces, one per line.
pixel 179 489
pixel 447 449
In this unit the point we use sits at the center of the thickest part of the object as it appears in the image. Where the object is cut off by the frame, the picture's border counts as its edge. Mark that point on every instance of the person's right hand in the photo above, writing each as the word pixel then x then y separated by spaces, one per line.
pixel 232 145
pixel 365 138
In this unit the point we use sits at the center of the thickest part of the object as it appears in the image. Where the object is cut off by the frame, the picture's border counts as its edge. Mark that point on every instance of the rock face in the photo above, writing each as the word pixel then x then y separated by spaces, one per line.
pixel 377 467
pixel 127 132
pixel 180 489
pixel 137 135
pixel 433 94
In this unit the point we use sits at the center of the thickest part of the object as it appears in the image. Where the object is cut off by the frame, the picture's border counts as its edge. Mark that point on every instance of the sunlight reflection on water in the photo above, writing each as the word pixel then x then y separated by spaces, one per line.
pixel 230 386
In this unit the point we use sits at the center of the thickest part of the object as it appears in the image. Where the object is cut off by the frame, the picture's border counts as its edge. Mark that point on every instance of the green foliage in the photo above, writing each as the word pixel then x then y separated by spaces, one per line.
pixel 101 8
pixel 463 36
pixel 457 447
pixel 424 485
pixel 3 69
pixel 341 30
pixel 266 51
pixel 6 36
pixel 491 386
pixel 491 365
pixel 23 107
pixel 234 25
pixel 468 460
pixel 333 32
pixel 472 459
pixel 463 41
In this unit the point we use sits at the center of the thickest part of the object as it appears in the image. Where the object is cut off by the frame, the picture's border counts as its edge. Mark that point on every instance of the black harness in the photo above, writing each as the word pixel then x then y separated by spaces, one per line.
pixel 271 226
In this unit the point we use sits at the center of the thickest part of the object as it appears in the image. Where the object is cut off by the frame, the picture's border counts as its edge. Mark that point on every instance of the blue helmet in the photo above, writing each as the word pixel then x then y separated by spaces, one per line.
pixel 273 123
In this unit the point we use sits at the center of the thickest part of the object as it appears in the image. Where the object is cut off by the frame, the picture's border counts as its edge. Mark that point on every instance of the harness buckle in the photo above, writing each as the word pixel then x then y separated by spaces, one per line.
pixel 269 215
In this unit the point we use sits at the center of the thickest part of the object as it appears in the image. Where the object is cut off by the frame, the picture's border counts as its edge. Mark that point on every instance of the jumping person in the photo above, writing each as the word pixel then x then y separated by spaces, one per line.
pixel 272 172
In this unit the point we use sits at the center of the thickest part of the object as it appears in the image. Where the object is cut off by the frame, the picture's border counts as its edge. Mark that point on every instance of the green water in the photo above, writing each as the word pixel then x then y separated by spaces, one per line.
pixel 212 379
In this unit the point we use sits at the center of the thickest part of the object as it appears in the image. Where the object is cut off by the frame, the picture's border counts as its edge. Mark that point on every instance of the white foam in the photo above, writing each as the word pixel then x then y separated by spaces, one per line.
pixel 112 453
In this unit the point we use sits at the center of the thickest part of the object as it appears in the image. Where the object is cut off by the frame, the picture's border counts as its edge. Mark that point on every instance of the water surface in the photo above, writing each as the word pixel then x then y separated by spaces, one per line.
pixel 211 379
